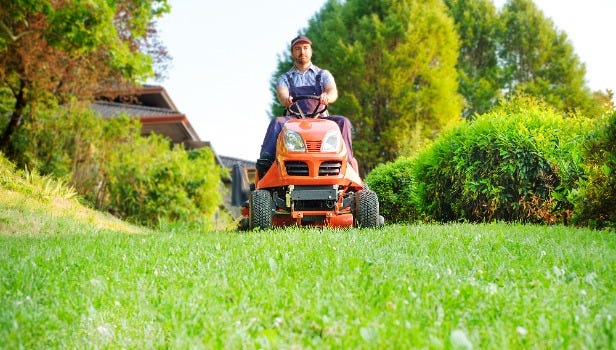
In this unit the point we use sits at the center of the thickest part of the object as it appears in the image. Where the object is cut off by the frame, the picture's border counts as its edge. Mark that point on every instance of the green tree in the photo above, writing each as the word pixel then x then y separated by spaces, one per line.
pixel 394 64
pixel 55 49
pixel 478 28
pixel 540 61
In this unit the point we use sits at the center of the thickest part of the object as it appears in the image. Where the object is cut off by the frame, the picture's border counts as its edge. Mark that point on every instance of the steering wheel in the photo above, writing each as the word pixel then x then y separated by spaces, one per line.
pixel 318 109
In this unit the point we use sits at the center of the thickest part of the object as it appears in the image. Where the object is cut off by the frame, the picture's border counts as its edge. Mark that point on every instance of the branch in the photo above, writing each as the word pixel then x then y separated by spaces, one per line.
pixel 12 36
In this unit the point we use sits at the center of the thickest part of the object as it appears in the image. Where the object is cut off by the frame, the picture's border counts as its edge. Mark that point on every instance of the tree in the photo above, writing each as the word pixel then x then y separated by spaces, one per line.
pixel 540 61
pixel 394 64
pixel 58 49
pixel 478 28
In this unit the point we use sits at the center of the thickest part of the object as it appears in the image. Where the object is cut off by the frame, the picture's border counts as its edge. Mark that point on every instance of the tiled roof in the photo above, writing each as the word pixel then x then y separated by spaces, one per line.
pixel 228 162
pixel 110 109
pixel 165 121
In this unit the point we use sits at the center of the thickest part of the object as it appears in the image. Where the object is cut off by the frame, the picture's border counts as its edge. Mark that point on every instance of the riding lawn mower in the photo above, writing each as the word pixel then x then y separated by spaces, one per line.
pixel 310 182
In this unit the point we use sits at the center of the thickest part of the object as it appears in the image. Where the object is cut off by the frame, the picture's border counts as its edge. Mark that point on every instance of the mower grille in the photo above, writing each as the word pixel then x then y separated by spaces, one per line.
pixel 330 168
pixel 313 146
pixel 295 168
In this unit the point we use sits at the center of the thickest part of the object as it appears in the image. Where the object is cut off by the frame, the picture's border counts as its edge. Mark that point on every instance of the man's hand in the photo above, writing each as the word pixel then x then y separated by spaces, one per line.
pixel 324 99
pixel 288 102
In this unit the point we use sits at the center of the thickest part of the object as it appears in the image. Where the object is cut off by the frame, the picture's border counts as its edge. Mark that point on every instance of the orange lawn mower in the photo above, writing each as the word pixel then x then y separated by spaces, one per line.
pixel 310 182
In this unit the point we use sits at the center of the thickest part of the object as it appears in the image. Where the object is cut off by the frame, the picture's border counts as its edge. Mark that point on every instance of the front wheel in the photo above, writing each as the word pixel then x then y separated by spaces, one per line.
pixel 260 210
pixel 366 211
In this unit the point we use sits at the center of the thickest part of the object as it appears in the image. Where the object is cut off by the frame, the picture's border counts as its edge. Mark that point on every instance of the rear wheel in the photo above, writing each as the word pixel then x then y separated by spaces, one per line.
pixel 260 210
pixel 366 211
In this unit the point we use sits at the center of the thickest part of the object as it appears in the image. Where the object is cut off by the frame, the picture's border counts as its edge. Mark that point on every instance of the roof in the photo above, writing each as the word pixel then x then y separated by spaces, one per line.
pixel 167 122
pixel 229 162
pixel 147 95
pixel 158 114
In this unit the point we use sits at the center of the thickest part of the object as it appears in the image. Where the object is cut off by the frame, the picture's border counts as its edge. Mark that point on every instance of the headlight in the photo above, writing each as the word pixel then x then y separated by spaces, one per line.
pixel 331 142
pixel 293 141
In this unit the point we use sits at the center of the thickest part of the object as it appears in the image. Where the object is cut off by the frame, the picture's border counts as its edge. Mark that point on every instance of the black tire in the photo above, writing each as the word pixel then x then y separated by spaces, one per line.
pixel 366 213
pixel 243 225
pixel 260 210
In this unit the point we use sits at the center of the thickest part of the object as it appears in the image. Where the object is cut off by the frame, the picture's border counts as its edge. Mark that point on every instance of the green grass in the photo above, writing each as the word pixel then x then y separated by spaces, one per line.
pixel 492 286
pixel 74 278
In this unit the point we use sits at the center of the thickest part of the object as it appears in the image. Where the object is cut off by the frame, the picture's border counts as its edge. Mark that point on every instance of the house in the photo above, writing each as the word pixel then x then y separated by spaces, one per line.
pixel 156 111
pixel 158 114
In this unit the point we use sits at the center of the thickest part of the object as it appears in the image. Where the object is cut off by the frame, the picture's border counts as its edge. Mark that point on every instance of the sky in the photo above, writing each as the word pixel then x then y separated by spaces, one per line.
pixel 224 55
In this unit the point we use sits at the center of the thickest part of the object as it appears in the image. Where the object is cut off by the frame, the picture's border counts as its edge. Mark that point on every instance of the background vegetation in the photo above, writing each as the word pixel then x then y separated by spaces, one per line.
pixel 406 70
pixel 54 51
pixel 522 162
pixel 148 183
pixel 55 56
pixel 415 76
pixel 594 198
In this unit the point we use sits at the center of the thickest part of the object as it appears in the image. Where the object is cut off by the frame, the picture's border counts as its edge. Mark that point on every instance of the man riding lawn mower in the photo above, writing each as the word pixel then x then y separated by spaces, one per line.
pixel 310 182
pixel 306 174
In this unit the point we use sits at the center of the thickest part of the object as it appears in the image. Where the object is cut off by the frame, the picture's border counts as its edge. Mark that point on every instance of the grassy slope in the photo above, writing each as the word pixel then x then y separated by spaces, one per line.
pixel 74 278
pixel 22 215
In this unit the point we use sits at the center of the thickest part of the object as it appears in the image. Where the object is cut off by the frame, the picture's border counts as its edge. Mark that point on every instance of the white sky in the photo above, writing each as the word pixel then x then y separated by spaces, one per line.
pixel 224 56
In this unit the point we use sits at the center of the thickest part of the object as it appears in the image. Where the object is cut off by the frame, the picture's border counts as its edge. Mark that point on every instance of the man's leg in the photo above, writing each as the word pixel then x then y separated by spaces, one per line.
pixel 268 148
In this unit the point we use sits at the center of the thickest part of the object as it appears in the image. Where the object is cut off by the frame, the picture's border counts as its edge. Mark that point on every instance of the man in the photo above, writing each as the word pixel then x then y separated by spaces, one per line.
pixel 303 79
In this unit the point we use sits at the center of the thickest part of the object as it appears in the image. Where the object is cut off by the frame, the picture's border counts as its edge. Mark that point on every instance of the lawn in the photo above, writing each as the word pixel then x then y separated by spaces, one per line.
pixel 492 286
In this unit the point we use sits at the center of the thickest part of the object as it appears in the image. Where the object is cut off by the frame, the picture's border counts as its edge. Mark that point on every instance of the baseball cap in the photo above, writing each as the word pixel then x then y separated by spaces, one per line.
pixel 300 39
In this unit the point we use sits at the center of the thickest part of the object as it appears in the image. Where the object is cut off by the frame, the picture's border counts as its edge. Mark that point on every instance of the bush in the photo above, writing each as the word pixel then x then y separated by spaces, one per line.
pixel 595 196
pixel 394 186
pixel 54 138
pixel 149 183
pixel 517 163
pixel 103 158
pixel 31 183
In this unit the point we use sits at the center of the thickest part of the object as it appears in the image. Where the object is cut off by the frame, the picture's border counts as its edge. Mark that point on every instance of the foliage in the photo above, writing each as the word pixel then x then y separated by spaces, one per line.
pixel 103 157
pixel 393 61
pixel 494 286
pixel 33 204
pixel 539 60
pixel 56 50
pixel 518 50
pixel 75 129
pixel 517 163
pixel 394 185
pixel 595 196
pixel 6 105
pixel 148 183
pixel 32 183
pixel 478 27
pixel 394 64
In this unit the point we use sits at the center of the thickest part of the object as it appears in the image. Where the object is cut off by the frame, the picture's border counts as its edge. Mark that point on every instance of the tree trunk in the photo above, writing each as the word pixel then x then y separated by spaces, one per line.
pixel 14 123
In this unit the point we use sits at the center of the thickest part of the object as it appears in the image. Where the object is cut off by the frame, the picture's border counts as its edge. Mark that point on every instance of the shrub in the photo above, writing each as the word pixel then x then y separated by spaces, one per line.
pixel 55 137
pixel 148 183
pixel 516 163
pixel 394 186
pixel 595 196
pixel 32 183
pixel 103 158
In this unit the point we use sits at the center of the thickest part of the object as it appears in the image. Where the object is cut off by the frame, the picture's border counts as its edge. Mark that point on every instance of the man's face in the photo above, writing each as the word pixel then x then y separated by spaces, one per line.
pixel 302 53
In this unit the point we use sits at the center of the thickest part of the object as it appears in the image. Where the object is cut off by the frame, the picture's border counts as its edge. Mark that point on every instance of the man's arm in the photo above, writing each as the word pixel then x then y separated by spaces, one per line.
pixel 330 93
pixel 283 95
